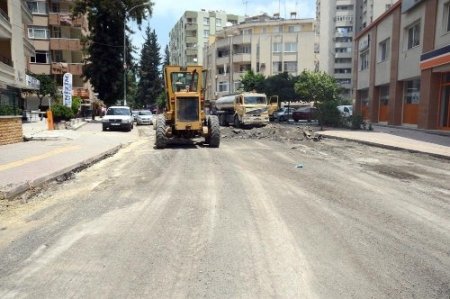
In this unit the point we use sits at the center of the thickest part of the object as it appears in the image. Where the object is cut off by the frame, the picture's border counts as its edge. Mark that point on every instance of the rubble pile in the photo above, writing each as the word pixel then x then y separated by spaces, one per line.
pixel 275 132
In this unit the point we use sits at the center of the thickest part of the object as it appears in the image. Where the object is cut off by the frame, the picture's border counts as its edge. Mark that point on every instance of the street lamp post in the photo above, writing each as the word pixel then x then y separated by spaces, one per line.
pixel 125 50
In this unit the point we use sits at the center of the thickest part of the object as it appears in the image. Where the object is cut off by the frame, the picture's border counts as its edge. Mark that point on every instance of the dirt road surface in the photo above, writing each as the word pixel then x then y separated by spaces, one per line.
pixel 254 218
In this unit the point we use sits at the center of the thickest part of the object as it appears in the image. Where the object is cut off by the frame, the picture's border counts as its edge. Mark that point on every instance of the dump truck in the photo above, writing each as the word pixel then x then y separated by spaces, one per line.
pixel 184 115
pixel 243 109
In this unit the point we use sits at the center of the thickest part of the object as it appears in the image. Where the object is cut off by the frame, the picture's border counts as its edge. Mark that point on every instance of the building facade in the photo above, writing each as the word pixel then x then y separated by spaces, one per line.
pixel 337 22
pixel 15 52
pixel 264 44
pixel 403 63
pixel 191 33
pixel 57 39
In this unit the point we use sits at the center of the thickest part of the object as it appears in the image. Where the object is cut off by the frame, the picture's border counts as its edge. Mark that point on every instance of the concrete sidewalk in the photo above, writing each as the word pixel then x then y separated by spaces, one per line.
pixel 436 144
pixel 51 154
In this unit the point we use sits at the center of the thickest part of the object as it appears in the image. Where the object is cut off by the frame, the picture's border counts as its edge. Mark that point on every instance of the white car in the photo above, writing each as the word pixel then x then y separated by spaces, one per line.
pixel 118 117
pixel 144 117
pixel 345 110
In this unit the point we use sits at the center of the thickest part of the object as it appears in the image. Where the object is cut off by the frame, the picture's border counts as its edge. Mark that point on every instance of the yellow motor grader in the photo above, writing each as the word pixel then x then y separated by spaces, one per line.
pixel 184 116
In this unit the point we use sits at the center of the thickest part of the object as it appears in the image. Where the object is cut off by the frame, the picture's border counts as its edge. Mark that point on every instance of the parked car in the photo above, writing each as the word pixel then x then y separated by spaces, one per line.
pixel 283 114
pixel 305 113
pixel 144 117
pixel 345 110
pixel 118 117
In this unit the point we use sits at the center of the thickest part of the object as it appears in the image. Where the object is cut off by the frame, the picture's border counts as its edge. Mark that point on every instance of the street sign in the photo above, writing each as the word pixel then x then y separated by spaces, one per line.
pixel 67 89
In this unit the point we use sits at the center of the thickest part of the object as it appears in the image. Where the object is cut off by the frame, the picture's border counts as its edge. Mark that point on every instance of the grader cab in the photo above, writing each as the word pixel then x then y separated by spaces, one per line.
pixel 184 116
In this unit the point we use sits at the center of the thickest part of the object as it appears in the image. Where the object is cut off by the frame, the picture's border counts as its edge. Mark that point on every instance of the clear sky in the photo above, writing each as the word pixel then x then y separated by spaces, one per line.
pixel 167 12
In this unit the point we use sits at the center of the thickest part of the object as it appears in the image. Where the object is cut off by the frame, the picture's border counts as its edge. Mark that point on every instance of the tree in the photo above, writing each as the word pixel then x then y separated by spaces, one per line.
pixel 252 81
pixel 47 87
pixel 166 56
pixel 281 85
pixel 104 66
pixel 150 83
pixel 323 90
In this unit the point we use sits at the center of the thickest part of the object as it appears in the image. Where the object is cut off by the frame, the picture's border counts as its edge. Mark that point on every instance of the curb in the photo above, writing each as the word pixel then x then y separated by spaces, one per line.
pixel 391 147
pixel 25 186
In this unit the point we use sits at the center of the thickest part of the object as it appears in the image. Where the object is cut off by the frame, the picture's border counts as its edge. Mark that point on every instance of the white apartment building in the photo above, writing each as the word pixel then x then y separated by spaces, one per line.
pixel 57 40
pixel 15 51
pixel 337 22
pixel 264 44
pixel 191 33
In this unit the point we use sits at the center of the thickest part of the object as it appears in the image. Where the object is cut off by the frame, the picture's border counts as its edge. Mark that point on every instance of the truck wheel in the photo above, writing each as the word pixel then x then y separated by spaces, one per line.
pixel 213 131
pixel 161 138
pixel 237 123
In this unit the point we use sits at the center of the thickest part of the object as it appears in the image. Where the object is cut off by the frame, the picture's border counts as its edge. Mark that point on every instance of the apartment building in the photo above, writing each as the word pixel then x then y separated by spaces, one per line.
pixel 267 45
pixel 57 39
pixel 191 33
pixel 403 66
pixel 15 52
pixel 337 22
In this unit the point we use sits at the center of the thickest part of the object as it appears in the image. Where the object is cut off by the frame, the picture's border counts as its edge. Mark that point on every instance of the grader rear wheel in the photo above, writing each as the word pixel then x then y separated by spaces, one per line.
pixel 213 138
pixel 161 138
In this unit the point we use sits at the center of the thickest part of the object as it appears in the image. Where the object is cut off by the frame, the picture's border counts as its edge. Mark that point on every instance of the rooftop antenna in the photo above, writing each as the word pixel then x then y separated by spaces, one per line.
pixel 245 2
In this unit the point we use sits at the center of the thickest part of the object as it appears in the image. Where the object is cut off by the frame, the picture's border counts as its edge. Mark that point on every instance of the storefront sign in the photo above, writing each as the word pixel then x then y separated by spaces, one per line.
pixel 32 82
pixel 67 89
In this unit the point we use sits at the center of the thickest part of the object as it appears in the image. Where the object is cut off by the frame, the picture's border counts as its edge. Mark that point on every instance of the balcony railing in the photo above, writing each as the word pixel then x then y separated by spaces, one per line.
pixel 65 44
pixel 64 19
pixel 81 92
pixel 59 68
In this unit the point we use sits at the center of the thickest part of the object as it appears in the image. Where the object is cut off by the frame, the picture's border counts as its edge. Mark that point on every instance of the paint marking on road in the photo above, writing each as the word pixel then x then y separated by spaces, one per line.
pixel 39 157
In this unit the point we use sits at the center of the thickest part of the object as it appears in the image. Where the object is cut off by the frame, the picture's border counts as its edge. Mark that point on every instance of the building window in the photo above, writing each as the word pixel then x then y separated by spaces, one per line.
pixel 277 47
pixel 412 91
pixel 56 32
pixel 448 17
pixel 247 32
pixel 277 67
pixel 290 66
pixel 413 35
pixel 40 57
pixel 364 58
pixel 295 28
pixel 384 95
pixel 38 7
pixel 38 32
pixel 205 33
pixel 222 86
pixel 57 56
pixel 246 49
pixel 205 21
pixel 237 86
pixel 383 50
pixel 290 47
pixel 277 29
pixel 218 22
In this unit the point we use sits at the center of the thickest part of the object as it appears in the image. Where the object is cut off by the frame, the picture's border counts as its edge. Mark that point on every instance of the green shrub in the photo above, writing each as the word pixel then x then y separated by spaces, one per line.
pixel 61 112
pixel 357 121
pixel 329 114
pixel 76 103
pixel 9 110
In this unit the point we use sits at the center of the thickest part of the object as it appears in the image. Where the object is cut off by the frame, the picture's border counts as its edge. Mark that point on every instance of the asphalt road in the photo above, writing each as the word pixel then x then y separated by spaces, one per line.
pixel 251 219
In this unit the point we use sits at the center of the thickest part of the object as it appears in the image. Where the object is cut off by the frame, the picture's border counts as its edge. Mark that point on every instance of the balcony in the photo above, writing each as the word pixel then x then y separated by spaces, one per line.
pixel 242 57
pixel 81 92
pixel 191 39
pixel 221 43
pixel 191 26
pixel 6 72
pixel 59 68
pixel 27 16
pixel 28 46
pixel 343 55
pixel 64 19
pixel 65 44
pixel 191 51
pixel 5 25
pixel 343 75
pixel 222 60
pixel 37 68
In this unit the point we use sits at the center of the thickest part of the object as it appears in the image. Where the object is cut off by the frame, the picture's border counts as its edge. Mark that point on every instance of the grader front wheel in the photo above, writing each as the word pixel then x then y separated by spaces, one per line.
pixel 161 138
pixel 213 138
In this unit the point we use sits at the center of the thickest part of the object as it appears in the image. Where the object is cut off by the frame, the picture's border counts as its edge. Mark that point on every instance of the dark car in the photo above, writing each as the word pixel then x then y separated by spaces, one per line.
pixel 305 113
